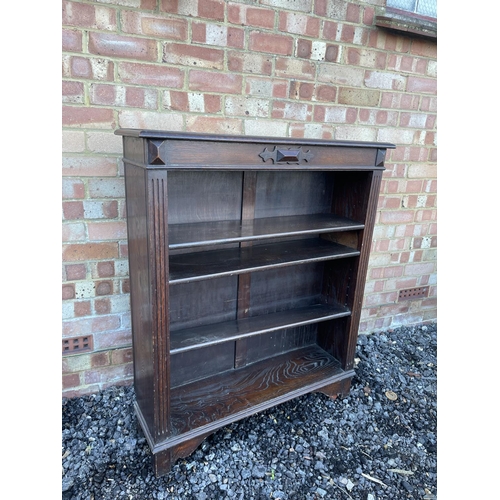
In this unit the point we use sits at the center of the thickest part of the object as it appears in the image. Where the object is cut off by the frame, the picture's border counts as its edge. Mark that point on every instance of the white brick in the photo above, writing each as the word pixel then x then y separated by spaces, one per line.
pixel 388 81
pixel 216 35
pixel 84 289
pixel 299 5
pixel 196 102
pixel 318 51
pixel 265 128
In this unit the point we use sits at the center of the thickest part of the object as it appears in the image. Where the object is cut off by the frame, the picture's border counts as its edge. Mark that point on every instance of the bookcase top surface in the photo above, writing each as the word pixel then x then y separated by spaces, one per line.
pixel 164 135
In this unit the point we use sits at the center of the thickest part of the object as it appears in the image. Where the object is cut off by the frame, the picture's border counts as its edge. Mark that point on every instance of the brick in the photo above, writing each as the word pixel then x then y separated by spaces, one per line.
pixel 106 188
pixel 350 133
pixel 326 93
pixel 297 5
pixel 358 97
pixel 268 128
pixel 193 55
pixel 165 28
pixel 353 13
pixel 246 62
pixel 73 141
pixel 246 106
pixel 150 74
pixel 420 268
pixel 332 53
pixel 299 24
pixel 215 82
pixel 424 48
pixel 400 101
pixel 121 356
pixel 71 40
pixel 106 269
pixel 334 114
pixel 89 166
pixel 330 30
pixel 91 68
pixel 396 217
pixel 211 9
pixel 112 45
pixel 422 85
pixel 82 308
pixel 207 124
pixel 294 68
pixel 396 136
pixel 235 38
pixel 267 87
pixel 341 75
pixel 304 48
pixel 108 374
pixel 88 16
pixel 113 339
pixel 75 271
pixel 100 209
pixel 407 64
pixel 102 306
pixel 104 288
pixel 73 92
pixel 250 16
pixel 73 210
pixel 70 381
pixel 73 232
pixel 311 130
pixel 89 251
pixel 425 171
pixel 291 111
pixel 115 230
pixel 301 90
pixel 271 43
pixel 150 120
pixel 104 142
pixel 383 80
pixel 68 291
pixel 75 116
pixel 366 58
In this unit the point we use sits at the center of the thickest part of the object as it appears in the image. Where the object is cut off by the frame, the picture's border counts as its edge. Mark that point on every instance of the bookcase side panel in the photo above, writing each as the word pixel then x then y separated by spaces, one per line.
pixel 140 291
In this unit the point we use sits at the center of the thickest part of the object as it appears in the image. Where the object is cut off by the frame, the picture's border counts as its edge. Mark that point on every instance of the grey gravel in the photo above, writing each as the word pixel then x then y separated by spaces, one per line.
pixel 364 446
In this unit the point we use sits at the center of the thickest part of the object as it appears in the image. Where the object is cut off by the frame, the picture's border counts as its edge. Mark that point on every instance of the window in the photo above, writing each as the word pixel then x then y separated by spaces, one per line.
pixel 426 8
pixel 417 17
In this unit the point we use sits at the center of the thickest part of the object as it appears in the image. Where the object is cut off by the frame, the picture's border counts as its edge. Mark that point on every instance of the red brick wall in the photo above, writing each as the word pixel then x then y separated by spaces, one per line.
pixel 300 68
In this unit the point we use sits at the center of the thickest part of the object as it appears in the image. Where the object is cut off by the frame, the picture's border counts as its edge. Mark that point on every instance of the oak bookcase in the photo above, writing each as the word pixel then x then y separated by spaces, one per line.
pixel 247 259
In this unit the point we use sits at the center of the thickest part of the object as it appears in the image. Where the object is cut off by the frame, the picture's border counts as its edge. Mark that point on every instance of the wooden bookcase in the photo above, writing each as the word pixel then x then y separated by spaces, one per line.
pixel 247 259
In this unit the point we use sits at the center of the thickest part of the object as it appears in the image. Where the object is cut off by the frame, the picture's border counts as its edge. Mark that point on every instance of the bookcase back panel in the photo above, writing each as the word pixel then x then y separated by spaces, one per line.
pixel 285 193
pixel 285 288
pixel 204 196
pixel 203 302
pixel 194 365
pixel 272 344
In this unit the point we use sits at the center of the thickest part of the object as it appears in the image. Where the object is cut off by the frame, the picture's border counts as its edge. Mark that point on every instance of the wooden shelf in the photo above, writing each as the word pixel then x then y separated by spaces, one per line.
pixel 215 263
pixel 205 335
pixel 230 231
pixel 237 393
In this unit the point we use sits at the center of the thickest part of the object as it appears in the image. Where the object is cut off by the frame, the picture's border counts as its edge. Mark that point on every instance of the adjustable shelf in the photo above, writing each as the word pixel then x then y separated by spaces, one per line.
pixel 215 263
pixel 247 259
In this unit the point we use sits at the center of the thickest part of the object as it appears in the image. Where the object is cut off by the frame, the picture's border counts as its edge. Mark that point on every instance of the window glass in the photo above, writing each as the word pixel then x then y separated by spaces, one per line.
pixel 422 7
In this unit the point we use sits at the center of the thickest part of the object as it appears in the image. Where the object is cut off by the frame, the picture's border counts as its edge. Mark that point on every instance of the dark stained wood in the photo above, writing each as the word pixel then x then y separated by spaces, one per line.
pixel 214 263
pixel 210 233
pixel 194 338
pixel 236 394
pixel 247 258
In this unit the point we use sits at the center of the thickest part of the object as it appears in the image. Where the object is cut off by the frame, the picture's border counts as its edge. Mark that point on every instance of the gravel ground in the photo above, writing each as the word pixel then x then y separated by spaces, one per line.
pixel 377 443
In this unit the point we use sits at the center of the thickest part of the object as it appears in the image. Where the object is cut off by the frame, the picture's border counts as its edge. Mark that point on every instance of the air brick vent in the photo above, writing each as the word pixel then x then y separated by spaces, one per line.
pixel 76 345
pixel 413 293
